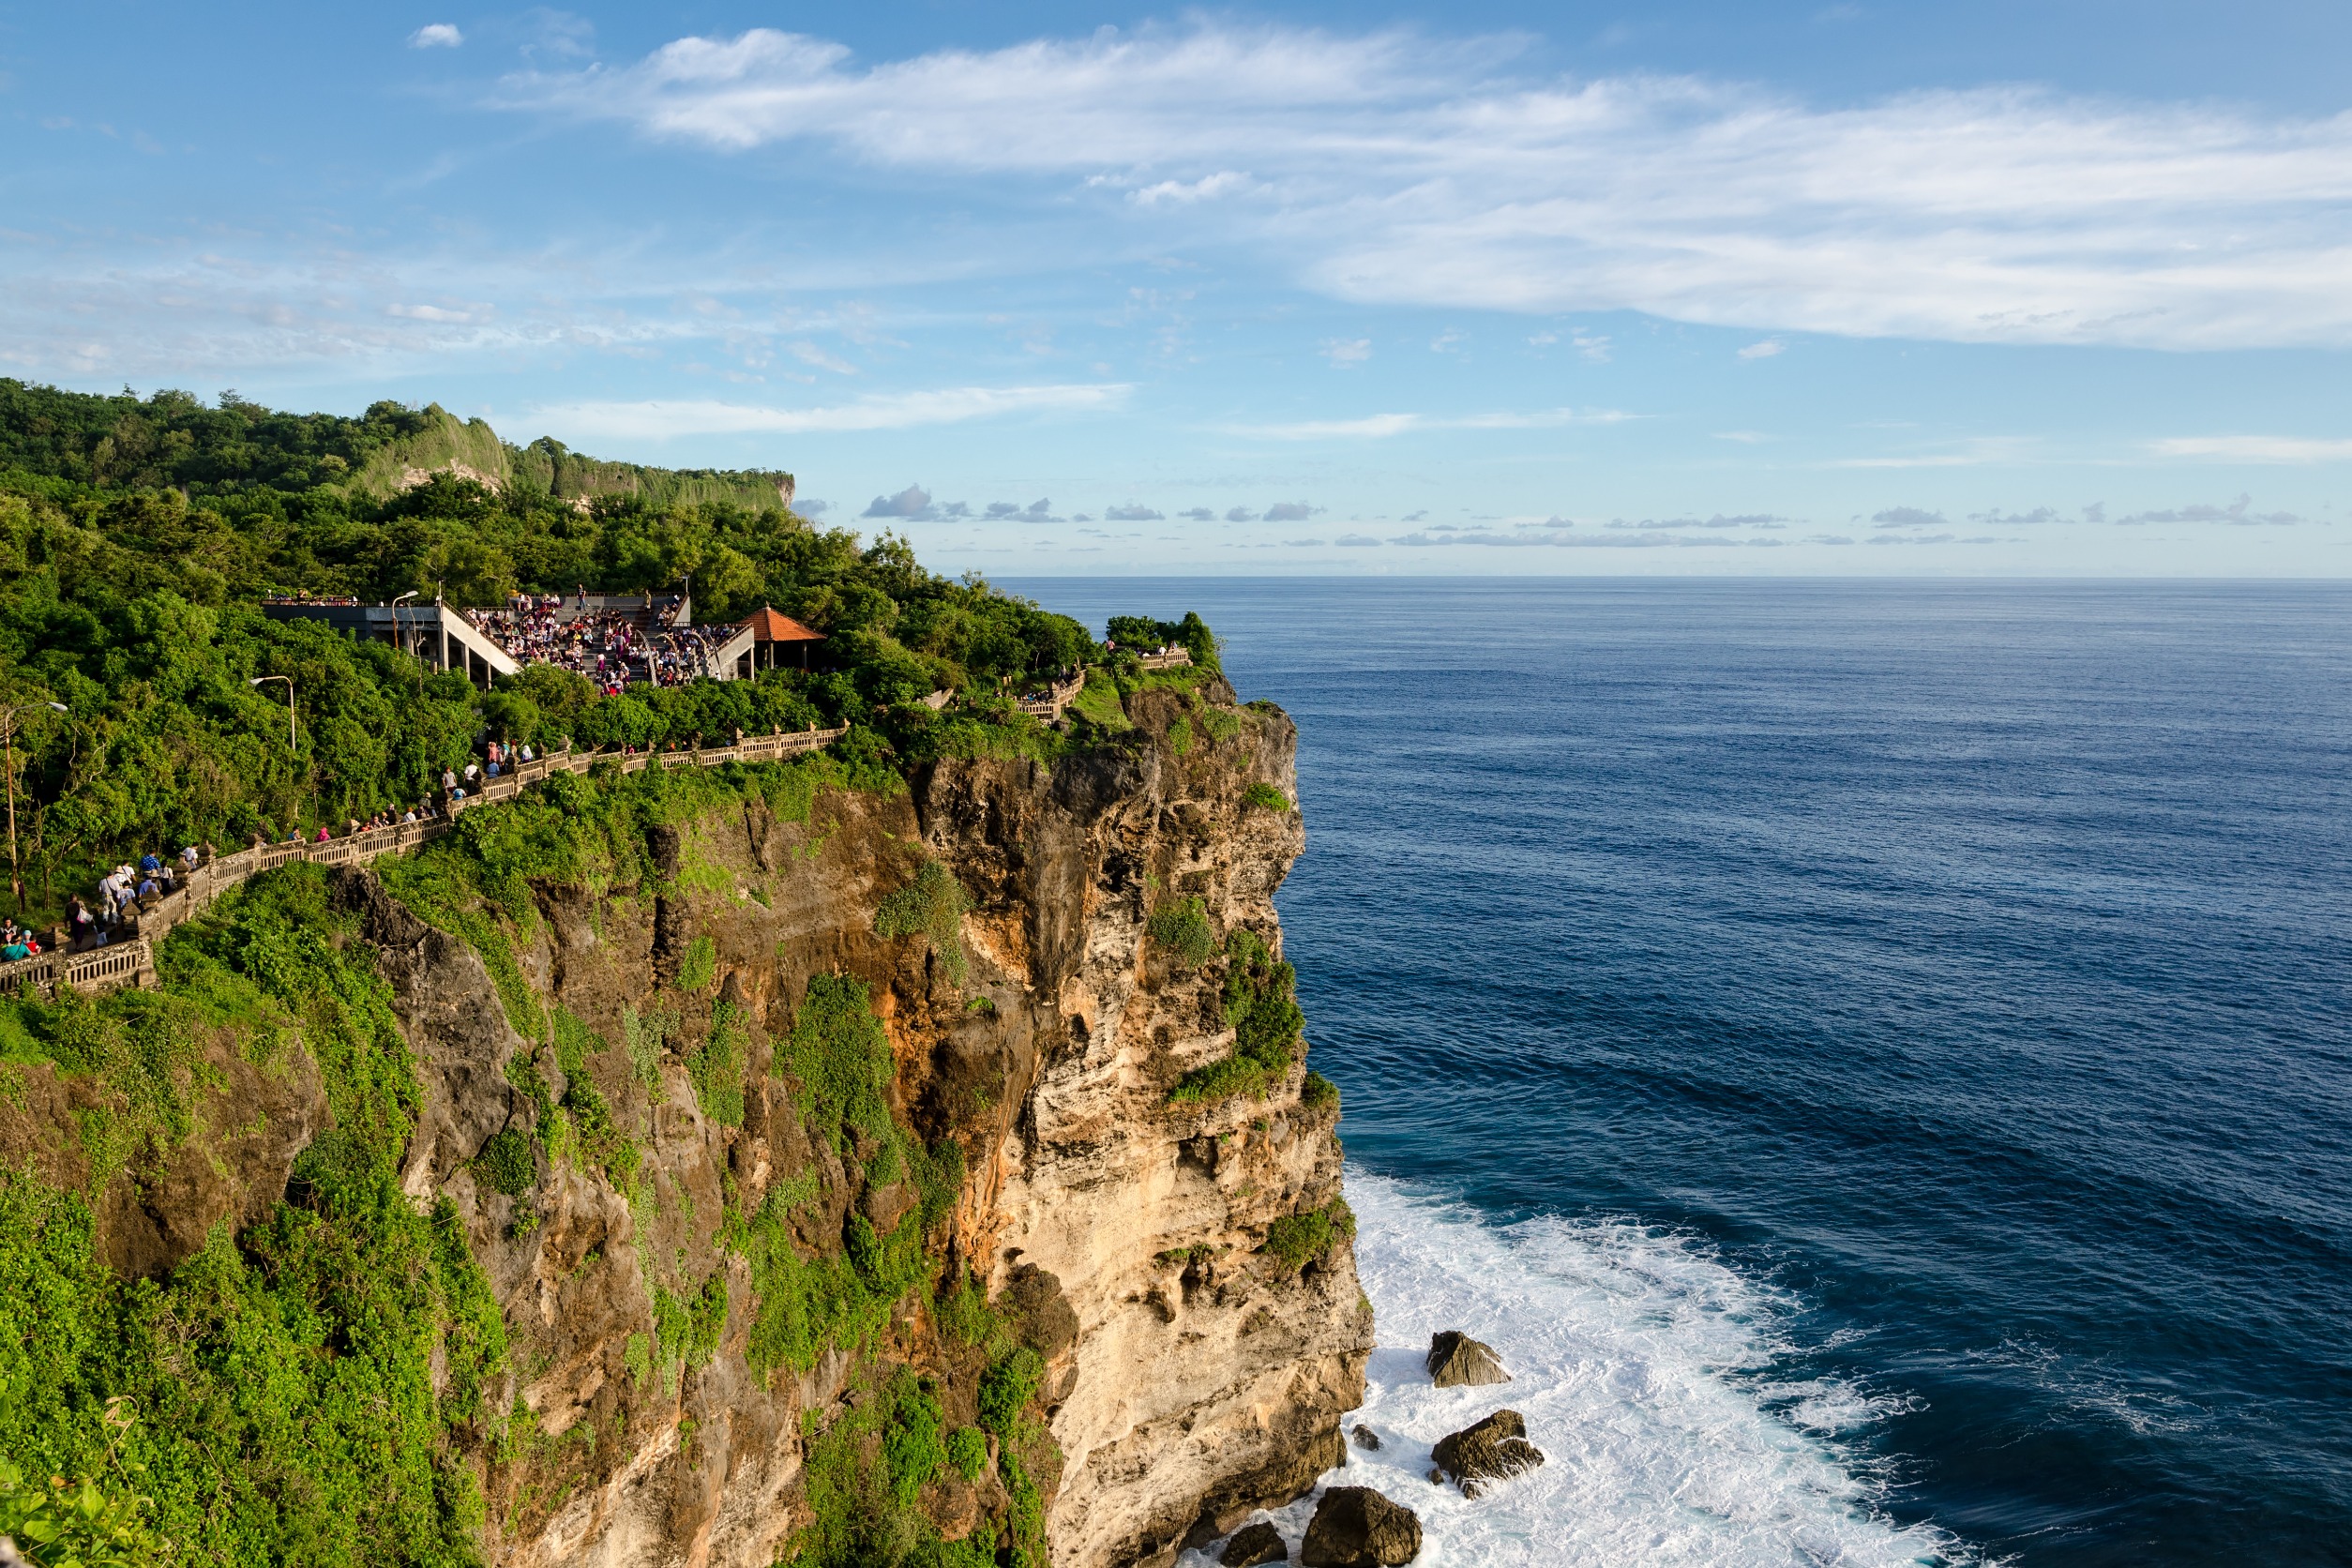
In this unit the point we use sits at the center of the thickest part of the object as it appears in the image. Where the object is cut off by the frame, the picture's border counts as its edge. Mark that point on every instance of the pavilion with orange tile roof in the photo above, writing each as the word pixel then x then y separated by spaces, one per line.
pixel 773 633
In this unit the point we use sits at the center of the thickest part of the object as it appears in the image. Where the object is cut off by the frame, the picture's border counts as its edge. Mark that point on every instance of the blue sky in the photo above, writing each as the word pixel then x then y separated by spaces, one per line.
pixel 2049 289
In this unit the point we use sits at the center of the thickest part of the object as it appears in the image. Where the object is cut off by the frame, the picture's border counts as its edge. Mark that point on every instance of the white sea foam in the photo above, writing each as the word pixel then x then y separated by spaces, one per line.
pixel 1644 1368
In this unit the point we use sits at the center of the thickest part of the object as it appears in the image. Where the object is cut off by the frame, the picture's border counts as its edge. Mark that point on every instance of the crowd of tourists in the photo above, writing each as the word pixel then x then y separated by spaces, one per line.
pixel 611 648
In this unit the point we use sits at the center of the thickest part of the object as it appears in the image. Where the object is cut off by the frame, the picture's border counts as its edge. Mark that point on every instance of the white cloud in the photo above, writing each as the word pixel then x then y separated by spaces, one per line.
pixel 2256 449
pixel 1764 350
pixel 1375 427
pixel 1180 193
pixel 661 421
pixel 437 34
pixel 1393 167
pixel 1344 352
pixel 809 354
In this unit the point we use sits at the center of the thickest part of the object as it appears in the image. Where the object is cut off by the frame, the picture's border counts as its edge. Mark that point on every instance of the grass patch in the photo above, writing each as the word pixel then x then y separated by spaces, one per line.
pixel 932 905
pixel 699 970
pixel 1181 931
pixel 1265 797
pixel 717 1067
pixel 1297 1240
pixel 1098 703
pixel 1318 1091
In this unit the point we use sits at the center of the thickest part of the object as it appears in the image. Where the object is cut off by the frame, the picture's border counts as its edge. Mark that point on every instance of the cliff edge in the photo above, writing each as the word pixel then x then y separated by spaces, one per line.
pixel 862 1172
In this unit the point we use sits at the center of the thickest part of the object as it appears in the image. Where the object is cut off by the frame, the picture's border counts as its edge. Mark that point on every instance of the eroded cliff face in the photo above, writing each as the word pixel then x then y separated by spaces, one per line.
pixel 1188 1375
pixel 730 1296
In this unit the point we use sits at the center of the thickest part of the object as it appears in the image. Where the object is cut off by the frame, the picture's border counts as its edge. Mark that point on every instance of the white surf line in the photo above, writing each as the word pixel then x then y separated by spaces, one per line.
pixel 1641 1364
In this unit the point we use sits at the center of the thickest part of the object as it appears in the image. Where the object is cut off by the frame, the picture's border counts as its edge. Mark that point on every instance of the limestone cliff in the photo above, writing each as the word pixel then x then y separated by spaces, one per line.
pixel 735 1301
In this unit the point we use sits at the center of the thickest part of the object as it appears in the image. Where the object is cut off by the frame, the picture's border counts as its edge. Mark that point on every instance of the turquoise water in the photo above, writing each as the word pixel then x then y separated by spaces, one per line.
pixel 1877 1057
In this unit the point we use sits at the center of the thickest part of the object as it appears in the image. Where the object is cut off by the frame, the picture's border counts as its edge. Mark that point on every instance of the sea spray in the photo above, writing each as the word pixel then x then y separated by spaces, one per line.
pixel 1649 1373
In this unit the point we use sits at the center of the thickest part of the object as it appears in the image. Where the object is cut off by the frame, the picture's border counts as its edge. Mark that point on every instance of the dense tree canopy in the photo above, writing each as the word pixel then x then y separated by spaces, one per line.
pixel 137 535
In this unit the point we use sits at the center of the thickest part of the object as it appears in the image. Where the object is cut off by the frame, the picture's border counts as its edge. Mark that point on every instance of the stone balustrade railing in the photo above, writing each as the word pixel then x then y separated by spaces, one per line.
pixel 1058 696
pixel 132 962
pixel 1175 659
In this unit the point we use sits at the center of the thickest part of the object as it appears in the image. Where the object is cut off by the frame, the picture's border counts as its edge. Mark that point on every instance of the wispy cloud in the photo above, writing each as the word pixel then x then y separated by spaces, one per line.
pixel 1765 350
pixel 436 34
pixel 1402 168
pixel 1377 426
pixel 2238 514
pixel 2256 449
pixel 662 420
pixel 1345 352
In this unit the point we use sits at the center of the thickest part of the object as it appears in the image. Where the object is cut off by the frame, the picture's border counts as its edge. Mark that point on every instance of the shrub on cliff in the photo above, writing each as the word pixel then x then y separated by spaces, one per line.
pixel 1182 931
pixel 1265 797
pixel 1261 1005
pixel 931 905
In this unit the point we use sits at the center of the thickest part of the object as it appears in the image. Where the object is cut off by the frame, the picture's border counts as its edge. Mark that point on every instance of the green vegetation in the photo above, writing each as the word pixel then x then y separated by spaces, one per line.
pixel 864 1474
pixel 1137 633
pixel 838 1059
pixel 1006 1391
pixel 67 1524
pixel 137 536
pixel 1261 1003
pixel 598 1141
pixel 506 1162
pixel 1297 1240
pixel 967 1452
pixel 1098 703
pixel 933 904
pixel 1317 1091
pixel 1182 931
pixel 283 1379
pixel 718 1067
pixel 1265 797
pixel 700 971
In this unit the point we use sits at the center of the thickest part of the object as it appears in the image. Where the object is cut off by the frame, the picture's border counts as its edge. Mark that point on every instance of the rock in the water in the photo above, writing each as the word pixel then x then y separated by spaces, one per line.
pixel 1260 1543
pixel 1355 1527
pixel 1494 1450
pixel 1366 1439
pixel 1456 1359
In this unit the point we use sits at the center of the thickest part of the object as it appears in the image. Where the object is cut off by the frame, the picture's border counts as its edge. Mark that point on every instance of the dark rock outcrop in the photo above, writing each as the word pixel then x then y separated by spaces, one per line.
pixel 1492 1450
pixel 1260 1543
pixel 1456 1359
pixel 1366 1439
pixel 1355 1527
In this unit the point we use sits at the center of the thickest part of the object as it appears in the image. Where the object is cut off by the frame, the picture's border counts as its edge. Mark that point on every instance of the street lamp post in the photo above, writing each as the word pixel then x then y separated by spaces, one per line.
pixel 398 641
pixel 8 763
pixel 258 680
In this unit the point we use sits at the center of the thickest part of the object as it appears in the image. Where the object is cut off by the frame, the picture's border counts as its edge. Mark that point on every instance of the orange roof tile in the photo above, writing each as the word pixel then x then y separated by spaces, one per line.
pixel 773 626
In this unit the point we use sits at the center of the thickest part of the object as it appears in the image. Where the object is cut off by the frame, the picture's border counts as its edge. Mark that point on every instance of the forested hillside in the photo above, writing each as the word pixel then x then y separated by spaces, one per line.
pixel 137 535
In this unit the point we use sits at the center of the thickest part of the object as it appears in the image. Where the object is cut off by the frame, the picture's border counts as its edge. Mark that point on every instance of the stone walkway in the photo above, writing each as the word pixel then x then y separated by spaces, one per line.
pixel 132 964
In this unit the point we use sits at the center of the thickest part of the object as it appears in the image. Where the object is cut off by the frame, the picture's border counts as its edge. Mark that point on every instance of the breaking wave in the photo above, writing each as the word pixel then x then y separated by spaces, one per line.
pixel 1649 1375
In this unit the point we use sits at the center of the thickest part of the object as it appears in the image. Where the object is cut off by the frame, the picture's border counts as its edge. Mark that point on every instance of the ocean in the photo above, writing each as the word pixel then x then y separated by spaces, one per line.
pixel 1876 1058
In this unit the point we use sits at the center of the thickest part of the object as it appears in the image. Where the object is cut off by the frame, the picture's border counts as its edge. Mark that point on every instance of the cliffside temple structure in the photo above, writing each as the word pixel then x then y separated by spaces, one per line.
pixel 612 637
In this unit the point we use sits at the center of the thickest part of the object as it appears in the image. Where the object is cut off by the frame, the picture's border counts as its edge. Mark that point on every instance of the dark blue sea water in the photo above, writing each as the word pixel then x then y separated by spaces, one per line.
pixel 1878 1055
